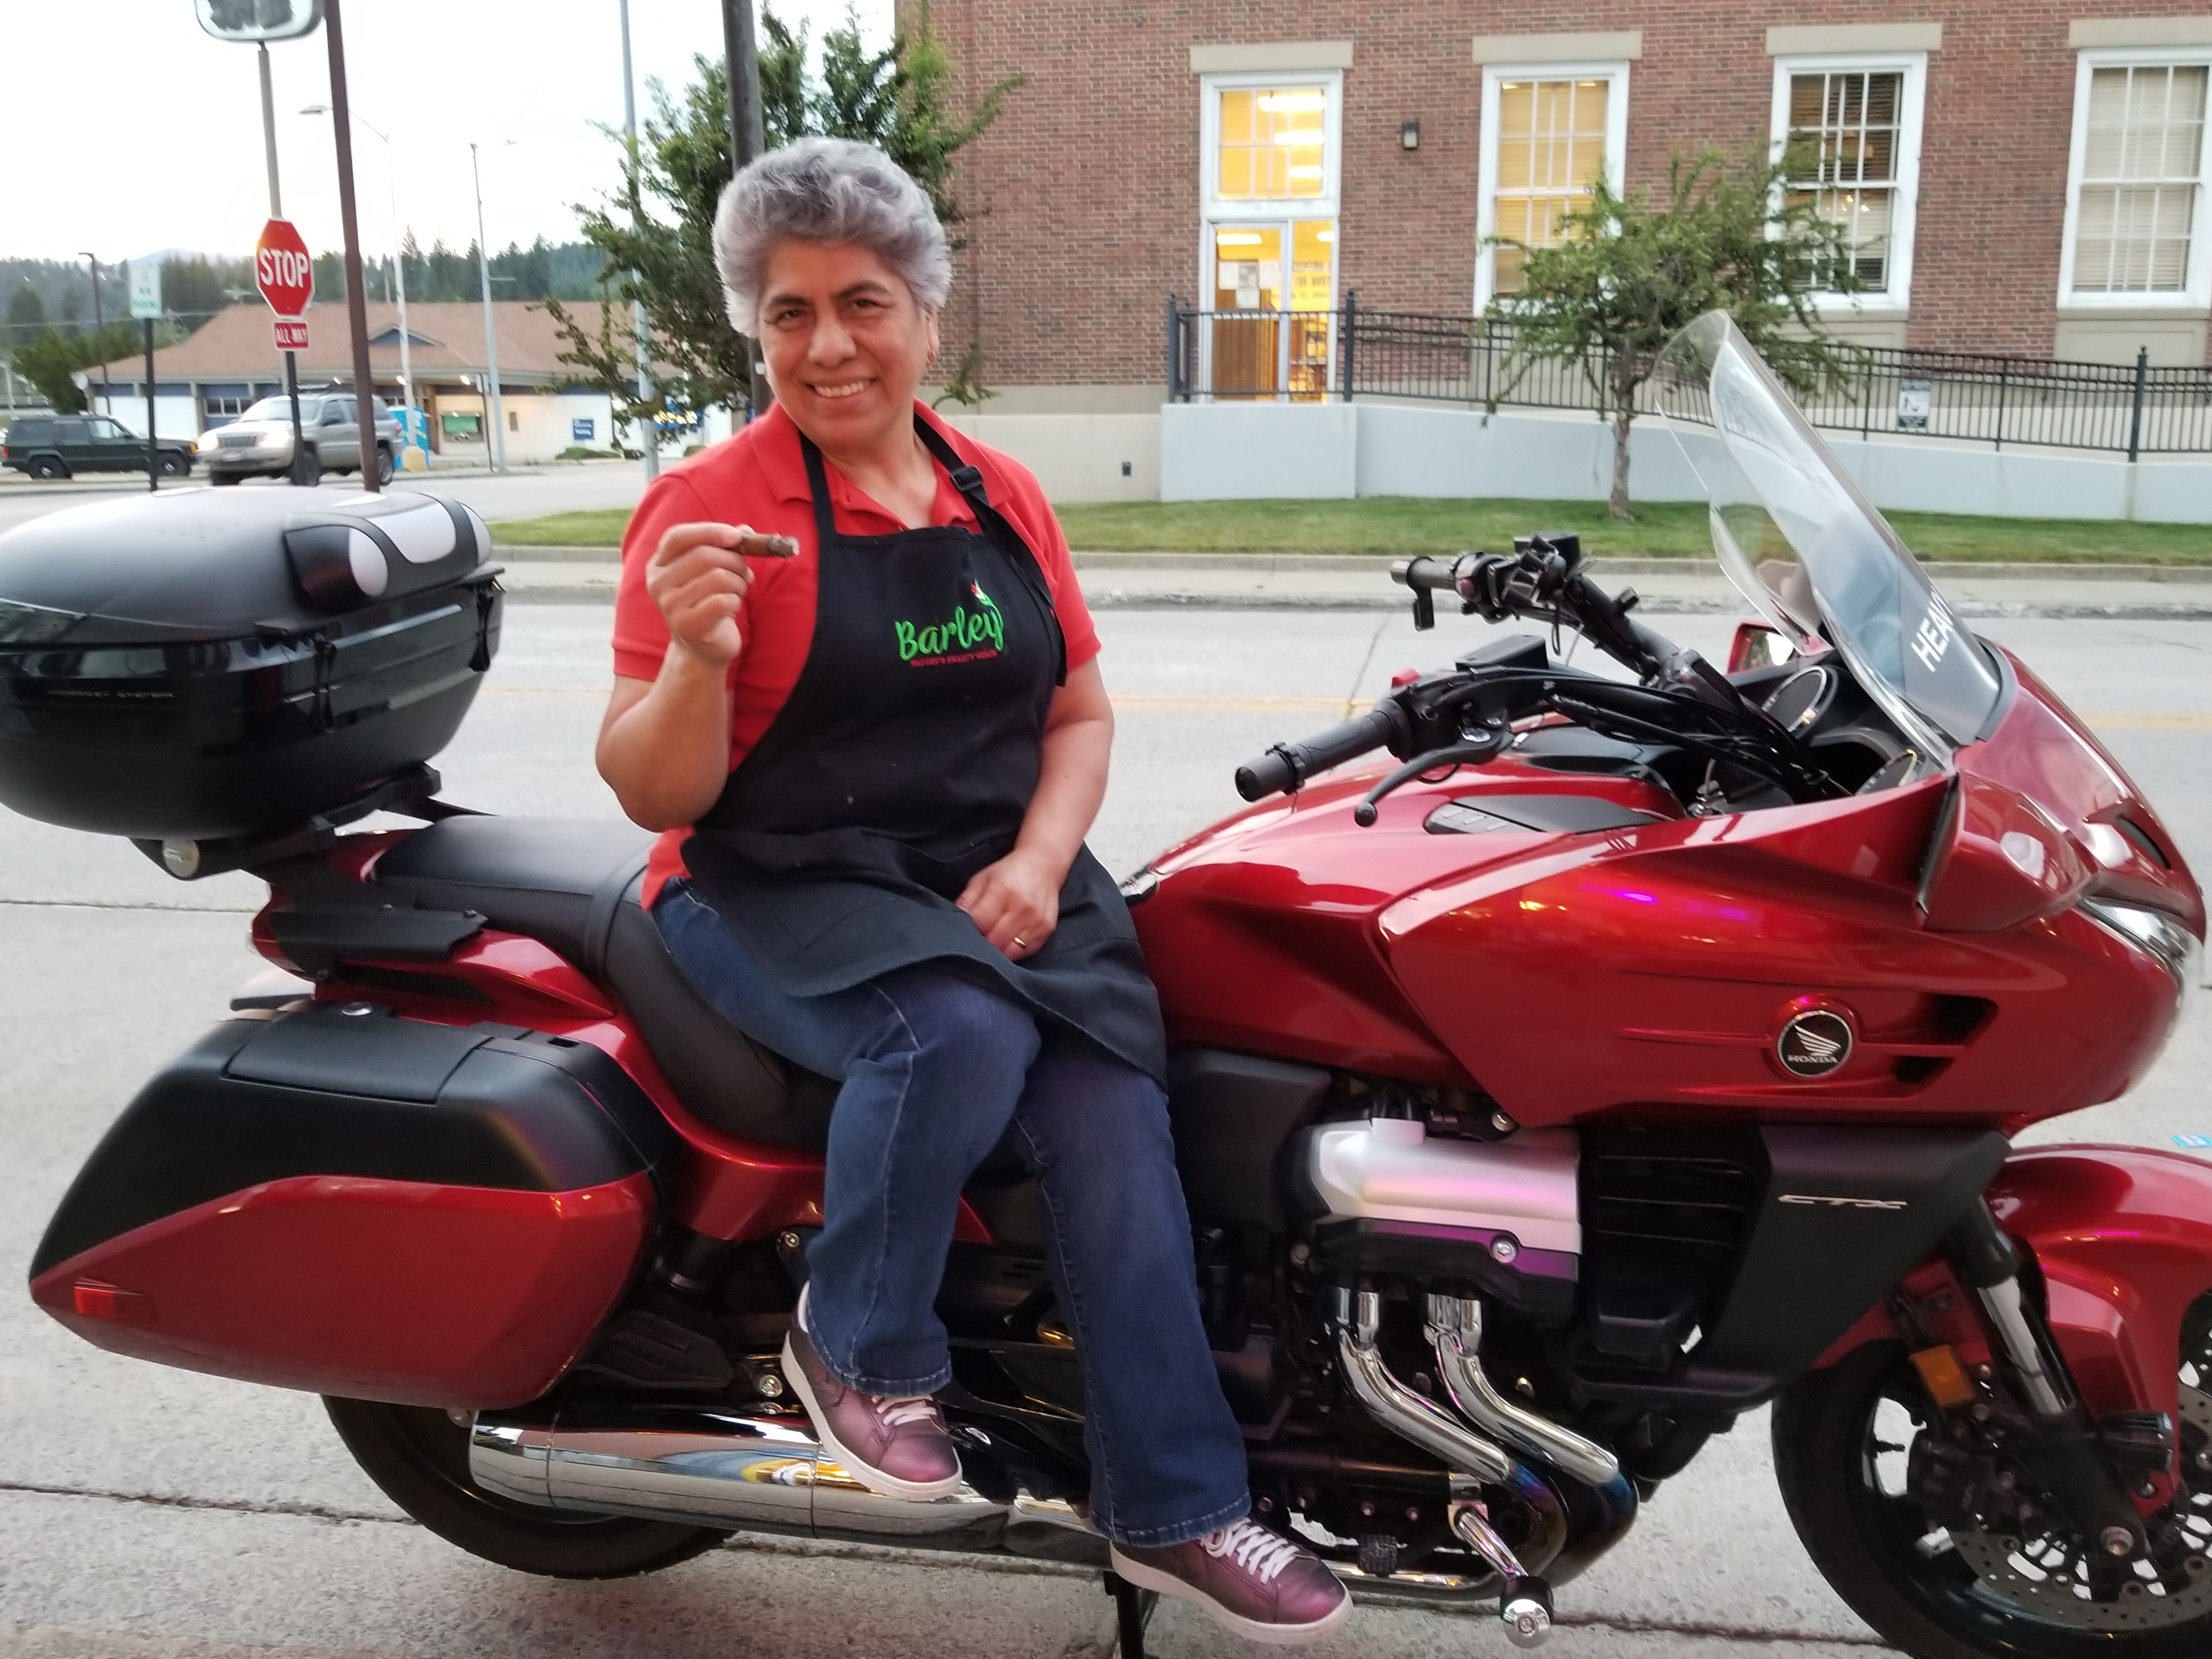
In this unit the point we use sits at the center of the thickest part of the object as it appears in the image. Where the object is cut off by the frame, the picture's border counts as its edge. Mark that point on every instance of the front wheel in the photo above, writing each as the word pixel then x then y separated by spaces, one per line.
pixel 49 467
pixel 419 1457
pixel 1854 1448
pixel 173 466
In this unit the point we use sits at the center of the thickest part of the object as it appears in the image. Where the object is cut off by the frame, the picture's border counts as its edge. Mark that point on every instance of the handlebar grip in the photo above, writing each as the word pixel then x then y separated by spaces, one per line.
pixel 1288 765
pixel 1437 575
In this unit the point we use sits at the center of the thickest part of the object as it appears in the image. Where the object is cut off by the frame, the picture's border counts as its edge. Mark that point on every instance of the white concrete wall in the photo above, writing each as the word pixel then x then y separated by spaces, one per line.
pixel 1076 457
pixel 1260 451
pixel 537 427
pixel 1241 452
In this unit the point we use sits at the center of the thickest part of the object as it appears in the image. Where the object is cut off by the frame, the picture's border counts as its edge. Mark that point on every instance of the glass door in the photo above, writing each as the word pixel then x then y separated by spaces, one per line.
pixel 1248 304
pixel 1266 342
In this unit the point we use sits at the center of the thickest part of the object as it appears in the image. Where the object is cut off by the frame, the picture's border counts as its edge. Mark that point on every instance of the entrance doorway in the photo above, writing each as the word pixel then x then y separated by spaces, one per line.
pixel 1274 283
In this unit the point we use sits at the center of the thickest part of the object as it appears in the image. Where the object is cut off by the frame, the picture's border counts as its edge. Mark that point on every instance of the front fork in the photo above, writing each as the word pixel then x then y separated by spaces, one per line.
pixel 2067 1457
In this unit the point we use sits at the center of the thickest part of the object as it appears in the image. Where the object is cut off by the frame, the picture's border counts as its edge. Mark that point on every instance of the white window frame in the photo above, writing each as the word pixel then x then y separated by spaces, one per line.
pixel 1904 211
pixel 1616 148
pixel 1214 208
pixel 2196 286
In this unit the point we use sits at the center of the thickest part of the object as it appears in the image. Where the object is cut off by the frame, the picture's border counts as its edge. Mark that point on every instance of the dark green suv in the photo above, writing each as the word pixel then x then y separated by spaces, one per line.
pixel 59 446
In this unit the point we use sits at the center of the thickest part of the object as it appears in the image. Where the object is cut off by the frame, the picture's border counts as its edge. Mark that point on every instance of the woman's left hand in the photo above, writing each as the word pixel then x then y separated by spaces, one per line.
pixel 1015 902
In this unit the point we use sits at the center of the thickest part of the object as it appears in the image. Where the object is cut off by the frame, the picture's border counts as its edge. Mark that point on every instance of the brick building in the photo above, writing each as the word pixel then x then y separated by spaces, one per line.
pixel 2018 176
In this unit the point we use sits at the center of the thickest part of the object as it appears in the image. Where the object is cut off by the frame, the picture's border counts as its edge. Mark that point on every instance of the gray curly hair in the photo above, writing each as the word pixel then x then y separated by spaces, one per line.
pixel 826 189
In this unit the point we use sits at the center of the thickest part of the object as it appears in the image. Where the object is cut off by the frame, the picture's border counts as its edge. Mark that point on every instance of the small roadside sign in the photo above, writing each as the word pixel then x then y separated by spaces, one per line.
pixel 145 289
pixel 291 334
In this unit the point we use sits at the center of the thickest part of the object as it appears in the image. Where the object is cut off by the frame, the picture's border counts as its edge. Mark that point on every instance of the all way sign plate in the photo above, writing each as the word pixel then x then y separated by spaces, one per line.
pixel 291 334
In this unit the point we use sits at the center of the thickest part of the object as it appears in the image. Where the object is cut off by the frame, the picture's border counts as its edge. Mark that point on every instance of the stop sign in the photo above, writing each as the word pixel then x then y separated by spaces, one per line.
pixel 281 269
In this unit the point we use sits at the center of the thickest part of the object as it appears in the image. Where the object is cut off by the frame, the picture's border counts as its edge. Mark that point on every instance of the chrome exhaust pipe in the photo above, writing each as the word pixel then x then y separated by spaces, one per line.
pixel 1454 1327
pixel 1356 1314
pixel 760 1470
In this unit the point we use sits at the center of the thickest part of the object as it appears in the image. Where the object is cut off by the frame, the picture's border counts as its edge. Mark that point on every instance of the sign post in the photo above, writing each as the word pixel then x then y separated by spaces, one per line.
pixel 146 306
pixel 285 273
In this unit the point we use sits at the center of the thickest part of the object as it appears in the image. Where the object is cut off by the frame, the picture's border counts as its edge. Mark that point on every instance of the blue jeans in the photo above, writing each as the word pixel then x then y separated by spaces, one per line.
pixel 935 1068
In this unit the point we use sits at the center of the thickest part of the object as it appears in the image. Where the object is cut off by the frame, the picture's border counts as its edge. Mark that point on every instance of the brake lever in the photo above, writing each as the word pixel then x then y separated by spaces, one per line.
pixel 1470 752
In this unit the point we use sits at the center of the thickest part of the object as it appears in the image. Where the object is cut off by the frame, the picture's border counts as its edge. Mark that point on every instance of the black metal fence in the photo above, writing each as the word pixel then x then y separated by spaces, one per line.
pixel 2129 408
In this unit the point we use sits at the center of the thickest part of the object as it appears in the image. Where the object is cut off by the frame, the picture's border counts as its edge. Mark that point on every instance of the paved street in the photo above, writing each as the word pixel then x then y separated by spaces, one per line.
pixel 523 493
pixel 149 1513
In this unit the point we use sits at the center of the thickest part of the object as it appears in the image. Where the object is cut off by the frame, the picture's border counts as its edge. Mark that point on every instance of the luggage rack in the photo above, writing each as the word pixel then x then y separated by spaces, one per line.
pixel 411 794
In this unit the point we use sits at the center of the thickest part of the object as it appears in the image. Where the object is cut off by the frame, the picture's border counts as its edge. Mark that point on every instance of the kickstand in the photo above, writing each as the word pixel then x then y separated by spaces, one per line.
pixel 1132 1609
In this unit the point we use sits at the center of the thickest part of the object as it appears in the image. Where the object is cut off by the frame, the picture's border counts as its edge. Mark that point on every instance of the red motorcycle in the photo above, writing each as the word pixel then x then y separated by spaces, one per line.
pixel 1635 1049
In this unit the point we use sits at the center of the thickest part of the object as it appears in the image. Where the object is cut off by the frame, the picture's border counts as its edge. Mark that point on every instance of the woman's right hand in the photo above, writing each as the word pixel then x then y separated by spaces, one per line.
pixel 698 577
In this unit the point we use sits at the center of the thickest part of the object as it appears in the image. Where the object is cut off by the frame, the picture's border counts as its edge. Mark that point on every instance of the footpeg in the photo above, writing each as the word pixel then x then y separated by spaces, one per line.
pixel 1527 1610
pixel 1525 1604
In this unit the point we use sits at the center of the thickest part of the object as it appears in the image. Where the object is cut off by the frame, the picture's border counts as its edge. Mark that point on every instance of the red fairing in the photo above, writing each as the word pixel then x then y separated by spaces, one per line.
pixel 2124 1236
pixel 424 1295
pixel 1653 968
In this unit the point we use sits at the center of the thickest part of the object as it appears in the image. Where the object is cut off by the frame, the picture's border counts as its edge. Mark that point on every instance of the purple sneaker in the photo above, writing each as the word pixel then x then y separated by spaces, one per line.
pixel 895 1447
pixel 1254 1581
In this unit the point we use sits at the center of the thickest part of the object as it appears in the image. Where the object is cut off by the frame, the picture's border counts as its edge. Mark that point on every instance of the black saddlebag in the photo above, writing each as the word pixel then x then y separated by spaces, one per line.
pixel 220 664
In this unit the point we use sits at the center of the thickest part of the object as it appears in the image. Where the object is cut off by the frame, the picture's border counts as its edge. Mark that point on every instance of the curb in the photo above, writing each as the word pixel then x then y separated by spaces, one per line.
pixel 1281 563
pixel 602 593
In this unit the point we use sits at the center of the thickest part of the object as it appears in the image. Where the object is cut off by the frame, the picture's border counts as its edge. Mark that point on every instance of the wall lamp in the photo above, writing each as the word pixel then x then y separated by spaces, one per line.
pixel 1409 136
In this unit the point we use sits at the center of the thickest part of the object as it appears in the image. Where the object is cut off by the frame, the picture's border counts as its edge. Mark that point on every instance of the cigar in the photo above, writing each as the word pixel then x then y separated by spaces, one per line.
pixel 774 547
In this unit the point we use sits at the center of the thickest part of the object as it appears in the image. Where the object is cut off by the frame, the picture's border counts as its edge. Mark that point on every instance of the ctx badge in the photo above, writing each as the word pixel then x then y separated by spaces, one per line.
pixel 1813 1043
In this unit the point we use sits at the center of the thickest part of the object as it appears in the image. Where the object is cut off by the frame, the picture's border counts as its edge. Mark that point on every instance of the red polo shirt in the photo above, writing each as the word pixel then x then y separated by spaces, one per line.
pixel 758 477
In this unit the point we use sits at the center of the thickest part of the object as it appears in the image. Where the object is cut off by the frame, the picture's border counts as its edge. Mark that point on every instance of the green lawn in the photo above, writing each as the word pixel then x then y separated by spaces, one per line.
pixel 1410 525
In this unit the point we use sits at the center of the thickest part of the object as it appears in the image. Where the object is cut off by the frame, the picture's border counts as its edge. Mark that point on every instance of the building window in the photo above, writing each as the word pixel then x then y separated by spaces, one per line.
pixel 2133 221
pixel 1549 133
pixel 1847 131
pixel 1268 233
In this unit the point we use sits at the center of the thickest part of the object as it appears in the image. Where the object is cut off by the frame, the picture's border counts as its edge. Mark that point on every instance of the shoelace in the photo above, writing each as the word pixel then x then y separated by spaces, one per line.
pixel 1262 1553
pixel 897 1414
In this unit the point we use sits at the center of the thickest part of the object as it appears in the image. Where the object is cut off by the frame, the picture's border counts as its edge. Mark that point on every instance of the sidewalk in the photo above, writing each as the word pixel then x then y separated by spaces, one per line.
pixel 1322 581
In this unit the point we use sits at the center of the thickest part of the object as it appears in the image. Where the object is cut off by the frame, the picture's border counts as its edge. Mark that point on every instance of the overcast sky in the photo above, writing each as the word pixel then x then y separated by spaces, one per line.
pixel 151 131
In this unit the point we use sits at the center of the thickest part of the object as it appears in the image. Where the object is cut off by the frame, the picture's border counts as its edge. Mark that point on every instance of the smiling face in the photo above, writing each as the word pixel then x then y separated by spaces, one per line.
pixel 846 344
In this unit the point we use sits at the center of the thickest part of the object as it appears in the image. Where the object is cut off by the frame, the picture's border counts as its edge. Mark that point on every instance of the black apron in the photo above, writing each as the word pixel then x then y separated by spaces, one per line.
pixel 902 763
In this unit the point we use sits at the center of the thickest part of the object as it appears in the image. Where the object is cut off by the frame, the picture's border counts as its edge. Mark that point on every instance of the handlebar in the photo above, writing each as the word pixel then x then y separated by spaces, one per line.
pixel 1284 768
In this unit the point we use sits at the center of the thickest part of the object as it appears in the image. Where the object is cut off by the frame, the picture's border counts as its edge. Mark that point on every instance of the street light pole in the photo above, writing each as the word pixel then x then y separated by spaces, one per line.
pixel 98 327
pixel 491 338
pixel 648 437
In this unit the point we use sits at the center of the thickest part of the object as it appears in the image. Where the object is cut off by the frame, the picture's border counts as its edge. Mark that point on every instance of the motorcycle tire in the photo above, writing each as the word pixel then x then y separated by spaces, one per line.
pixel 419 1457
pixel 1982 1595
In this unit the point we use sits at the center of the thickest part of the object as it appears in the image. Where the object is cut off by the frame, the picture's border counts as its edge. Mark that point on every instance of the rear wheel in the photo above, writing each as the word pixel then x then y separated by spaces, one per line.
pixel 419 1457
pixel 1852 1446
pixel 383 468
pixel 172 466
pixel 219 479
pixel 48 466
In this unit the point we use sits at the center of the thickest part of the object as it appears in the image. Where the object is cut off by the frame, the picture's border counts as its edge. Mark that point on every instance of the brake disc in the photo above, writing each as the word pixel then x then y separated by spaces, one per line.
pixel 2048 1576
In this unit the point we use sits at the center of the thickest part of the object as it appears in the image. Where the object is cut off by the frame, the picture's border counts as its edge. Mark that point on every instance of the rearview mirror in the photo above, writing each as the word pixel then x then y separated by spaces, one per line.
pixel 1757 645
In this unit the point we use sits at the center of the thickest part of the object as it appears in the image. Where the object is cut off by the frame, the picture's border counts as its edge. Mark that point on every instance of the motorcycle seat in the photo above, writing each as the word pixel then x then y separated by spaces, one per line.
pixel 574 884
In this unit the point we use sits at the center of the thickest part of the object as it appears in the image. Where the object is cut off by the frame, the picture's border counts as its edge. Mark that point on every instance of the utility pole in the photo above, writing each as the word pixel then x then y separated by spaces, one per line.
pixel 648 437
pixel 365 428
pixel 747 135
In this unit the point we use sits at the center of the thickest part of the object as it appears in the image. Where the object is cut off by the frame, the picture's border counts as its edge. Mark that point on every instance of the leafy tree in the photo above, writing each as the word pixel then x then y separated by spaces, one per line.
pixel 26 315
pixel 1629 274
pixel 49 361
pixel 657 231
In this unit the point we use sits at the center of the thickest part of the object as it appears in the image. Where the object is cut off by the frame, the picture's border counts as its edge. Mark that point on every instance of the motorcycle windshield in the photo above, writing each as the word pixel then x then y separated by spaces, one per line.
pixel 1796 535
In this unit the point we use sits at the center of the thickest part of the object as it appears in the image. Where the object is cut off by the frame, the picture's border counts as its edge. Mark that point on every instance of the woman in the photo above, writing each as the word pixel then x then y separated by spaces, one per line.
pixel 875 762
